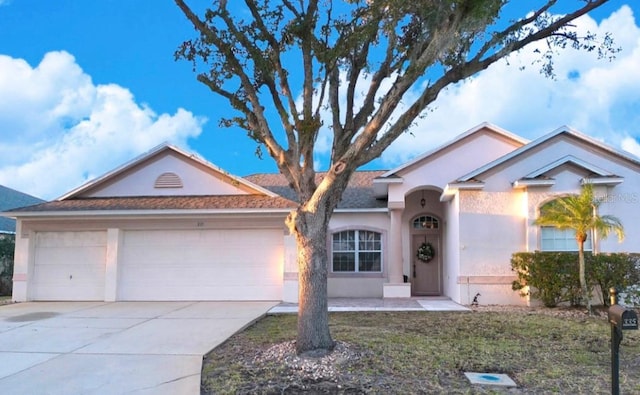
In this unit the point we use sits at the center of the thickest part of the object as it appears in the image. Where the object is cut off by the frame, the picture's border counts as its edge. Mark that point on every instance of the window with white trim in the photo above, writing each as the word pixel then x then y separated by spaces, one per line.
pixel 554 239
pixel 356 251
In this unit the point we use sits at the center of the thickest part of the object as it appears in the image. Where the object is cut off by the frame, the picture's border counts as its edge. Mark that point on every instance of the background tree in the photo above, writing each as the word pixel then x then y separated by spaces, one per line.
pixel 580 213
pixel 7 247
pixel 281 64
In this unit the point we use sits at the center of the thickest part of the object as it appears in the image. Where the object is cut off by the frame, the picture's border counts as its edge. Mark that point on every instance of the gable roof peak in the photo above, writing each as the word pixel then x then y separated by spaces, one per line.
pixel 157 150
pixel 567 130
pixel 482 126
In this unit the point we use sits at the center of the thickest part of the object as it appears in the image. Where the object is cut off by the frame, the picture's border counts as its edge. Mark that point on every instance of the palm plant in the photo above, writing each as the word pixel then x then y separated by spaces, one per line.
pixel 580 213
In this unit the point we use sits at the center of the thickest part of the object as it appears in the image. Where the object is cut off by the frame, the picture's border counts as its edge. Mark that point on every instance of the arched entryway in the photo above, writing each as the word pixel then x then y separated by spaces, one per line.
pixel 426 267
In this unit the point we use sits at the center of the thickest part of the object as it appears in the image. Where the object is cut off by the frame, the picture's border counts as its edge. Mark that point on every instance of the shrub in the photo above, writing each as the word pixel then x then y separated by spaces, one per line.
pixel 552 277
pixel 614 270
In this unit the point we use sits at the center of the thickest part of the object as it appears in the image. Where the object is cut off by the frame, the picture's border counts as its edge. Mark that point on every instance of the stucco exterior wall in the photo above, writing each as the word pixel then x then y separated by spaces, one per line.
pixel 196 180
pixel 492 228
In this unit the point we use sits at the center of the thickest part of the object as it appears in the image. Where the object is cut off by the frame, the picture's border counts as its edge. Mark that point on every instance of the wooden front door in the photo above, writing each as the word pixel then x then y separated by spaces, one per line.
pixel 426 277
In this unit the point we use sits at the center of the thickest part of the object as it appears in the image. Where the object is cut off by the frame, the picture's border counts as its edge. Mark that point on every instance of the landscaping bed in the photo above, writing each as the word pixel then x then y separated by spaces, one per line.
pixel 542 350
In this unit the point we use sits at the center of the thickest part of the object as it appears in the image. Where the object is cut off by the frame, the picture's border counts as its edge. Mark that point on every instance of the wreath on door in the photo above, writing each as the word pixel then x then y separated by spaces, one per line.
pixel 426 252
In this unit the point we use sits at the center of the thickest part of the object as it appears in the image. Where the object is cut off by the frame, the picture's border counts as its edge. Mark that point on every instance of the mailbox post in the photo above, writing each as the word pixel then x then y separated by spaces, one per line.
pixel 620 319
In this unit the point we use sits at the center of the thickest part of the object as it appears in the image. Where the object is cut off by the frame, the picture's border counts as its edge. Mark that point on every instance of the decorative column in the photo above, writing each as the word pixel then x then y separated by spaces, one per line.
pixel 396 287
pixel 395 248
pixel 22 269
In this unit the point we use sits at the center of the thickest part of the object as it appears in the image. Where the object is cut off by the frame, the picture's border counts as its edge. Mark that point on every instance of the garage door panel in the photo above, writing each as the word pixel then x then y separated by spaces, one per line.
pixel 79 273
pixel 207 293
pixel 202 265
pixel 70 255
pixel 199 276
pixel 69 266
pixel 71 239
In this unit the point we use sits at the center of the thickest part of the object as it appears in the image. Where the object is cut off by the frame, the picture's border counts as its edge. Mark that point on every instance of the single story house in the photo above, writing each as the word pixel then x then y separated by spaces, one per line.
pixel 169 225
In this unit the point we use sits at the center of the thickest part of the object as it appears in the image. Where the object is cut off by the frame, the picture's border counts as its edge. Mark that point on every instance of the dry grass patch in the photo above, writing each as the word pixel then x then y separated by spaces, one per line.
pixel 427 352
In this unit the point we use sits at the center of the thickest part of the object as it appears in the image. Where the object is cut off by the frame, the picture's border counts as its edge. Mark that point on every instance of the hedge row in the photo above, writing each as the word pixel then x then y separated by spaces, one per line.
pixel 552 277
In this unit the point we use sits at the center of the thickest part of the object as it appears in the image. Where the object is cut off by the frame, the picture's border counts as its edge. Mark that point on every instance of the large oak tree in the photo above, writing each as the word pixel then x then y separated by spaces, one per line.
pixel 288 68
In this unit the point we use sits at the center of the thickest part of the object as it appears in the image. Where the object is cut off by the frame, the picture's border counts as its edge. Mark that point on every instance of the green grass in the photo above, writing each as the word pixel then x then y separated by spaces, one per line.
pixel 427 352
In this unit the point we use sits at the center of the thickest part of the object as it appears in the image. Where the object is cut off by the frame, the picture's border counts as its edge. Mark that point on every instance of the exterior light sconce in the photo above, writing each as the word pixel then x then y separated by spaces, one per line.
pixel 422 201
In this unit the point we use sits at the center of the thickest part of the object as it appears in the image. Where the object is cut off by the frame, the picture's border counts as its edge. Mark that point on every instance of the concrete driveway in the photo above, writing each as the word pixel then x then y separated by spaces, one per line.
pixel 114 348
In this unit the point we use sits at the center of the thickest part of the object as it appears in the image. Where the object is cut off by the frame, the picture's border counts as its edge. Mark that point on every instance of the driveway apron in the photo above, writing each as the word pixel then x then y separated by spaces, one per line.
pixel 114 348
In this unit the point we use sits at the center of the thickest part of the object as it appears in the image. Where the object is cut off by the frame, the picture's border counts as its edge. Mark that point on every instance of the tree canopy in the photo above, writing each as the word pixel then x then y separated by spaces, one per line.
pixel 296 57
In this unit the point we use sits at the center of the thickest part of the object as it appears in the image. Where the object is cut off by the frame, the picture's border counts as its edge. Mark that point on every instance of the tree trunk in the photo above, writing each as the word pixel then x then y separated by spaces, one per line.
pixel 586 295
pixel 313 317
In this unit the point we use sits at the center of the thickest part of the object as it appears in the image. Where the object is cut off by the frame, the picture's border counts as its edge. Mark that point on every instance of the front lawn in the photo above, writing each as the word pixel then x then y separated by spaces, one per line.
pixel 427 352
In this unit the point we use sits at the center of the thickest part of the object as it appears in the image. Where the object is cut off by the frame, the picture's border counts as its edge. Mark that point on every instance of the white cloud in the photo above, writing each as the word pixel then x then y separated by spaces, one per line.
pixel 597 97
pixel 60 130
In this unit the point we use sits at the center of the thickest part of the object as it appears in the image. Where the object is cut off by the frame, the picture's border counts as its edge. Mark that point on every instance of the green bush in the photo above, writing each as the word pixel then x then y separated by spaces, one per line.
pixel 553 276
pixel 614 270
pixel 7 246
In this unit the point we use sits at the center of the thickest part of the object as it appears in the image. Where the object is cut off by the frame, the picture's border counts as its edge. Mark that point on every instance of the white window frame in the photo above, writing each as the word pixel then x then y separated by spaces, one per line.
pixel 560 240
pixel 356 250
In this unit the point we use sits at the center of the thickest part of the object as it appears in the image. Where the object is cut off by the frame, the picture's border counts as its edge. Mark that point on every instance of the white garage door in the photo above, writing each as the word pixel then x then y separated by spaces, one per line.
pixel 231 264
pixel 69 266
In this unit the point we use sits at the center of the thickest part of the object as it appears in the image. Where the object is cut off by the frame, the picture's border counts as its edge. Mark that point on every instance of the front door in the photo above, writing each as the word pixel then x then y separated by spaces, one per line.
pixel 426 276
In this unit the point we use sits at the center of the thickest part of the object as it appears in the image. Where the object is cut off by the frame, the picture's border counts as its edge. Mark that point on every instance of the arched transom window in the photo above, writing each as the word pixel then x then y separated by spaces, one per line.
pixel 426 222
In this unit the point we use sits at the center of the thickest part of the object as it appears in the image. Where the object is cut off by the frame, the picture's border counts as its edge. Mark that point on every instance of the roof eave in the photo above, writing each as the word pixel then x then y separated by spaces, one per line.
pixel 451 189
pixel 138 213
pixel 361 210
pixel 608 181
pixel 521 184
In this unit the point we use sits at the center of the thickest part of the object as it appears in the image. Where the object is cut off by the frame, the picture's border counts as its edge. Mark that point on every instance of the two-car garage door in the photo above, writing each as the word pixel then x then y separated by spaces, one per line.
pixel 229 264
pixel 207 264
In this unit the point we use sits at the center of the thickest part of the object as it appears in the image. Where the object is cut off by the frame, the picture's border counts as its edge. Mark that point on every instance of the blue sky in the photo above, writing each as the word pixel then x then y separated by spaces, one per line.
pixel 88 85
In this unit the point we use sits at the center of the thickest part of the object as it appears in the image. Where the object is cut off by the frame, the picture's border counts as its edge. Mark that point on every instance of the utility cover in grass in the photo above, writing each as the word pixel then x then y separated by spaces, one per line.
pixel 490 379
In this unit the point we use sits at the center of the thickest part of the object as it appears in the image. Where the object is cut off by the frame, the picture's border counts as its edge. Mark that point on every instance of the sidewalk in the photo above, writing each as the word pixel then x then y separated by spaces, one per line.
pixel 375 304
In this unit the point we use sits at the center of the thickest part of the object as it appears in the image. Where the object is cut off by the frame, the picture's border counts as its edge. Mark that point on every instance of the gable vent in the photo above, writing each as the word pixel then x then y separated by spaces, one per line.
pixel 168 180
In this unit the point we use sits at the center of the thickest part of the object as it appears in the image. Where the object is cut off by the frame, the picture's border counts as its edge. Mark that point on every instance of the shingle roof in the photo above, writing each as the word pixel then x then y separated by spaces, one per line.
pixel 10 199
pixel 163 203
pixel 358 195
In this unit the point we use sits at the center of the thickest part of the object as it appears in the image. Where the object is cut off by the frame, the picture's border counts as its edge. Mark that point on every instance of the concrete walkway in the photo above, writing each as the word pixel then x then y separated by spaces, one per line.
pixel 114 348
pixel 374 304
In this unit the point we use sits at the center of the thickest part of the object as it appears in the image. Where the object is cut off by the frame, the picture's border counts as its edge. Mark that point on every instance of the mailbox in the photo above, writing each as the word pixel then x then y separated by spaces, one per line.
pixel 622 318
